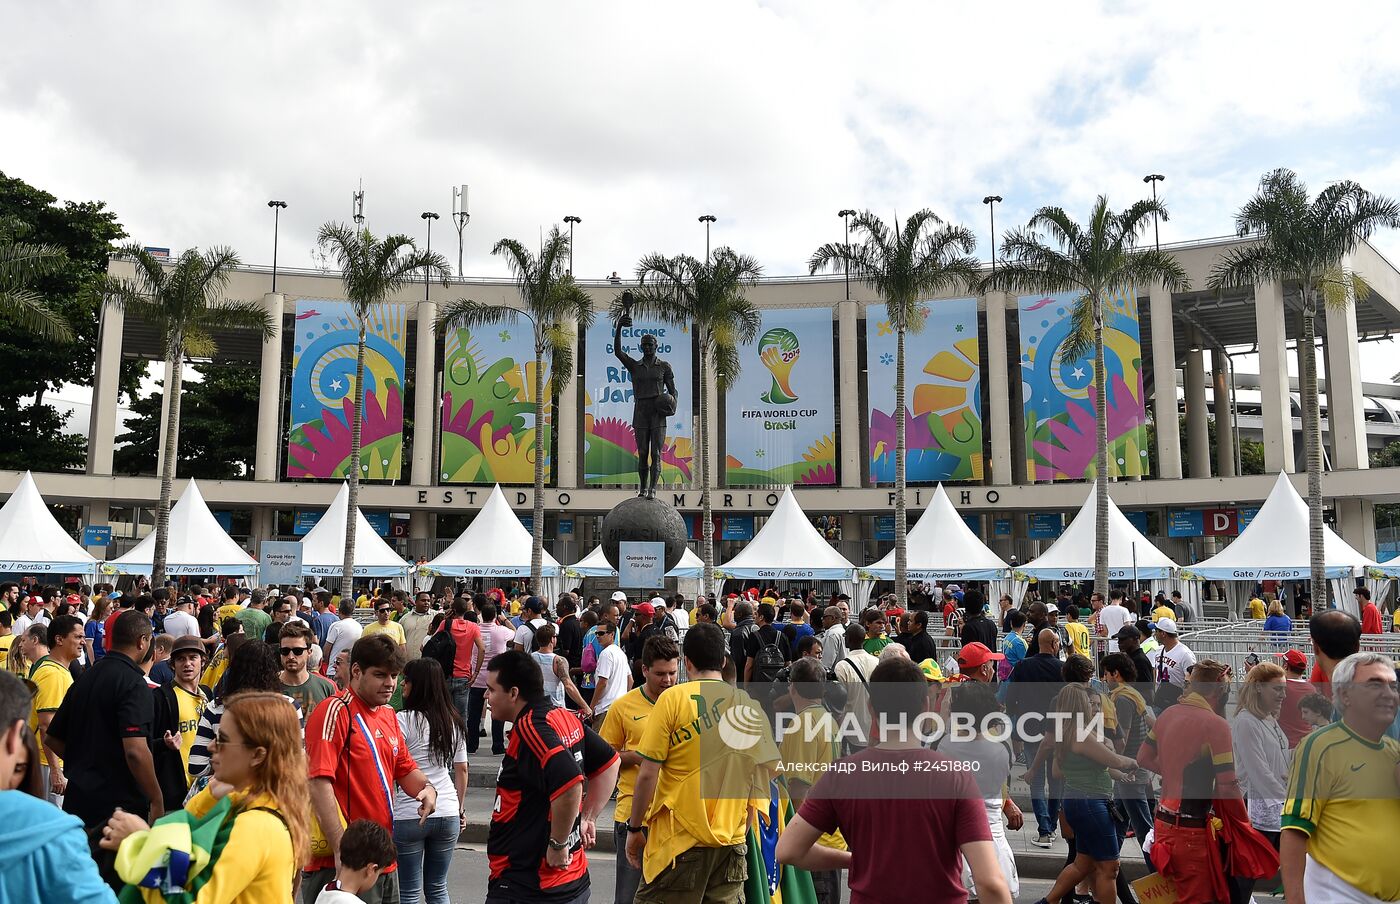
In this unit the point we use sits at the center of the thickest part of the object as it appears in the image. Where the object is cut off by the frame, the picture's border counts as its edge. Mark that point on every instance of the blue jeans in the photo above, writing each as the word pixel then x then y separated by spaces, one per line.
pixel 1047 808
pixel 627 878
pixel 425 852
pixel 1139 812
pixel 476 708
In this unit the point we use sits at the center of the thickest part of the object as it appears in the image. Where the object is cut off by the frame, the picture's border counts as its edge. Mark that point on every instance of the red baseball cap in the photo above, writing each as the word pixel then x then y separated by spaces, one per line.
pixel 644 608
pixel 975 655
pixel 1295 659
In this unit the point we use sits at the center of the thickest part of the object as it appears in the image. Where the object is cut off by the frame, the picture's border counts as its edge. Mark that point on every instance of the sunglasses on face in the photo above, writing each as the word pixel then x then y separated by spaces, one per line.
pixel 293 651
pixel 381 611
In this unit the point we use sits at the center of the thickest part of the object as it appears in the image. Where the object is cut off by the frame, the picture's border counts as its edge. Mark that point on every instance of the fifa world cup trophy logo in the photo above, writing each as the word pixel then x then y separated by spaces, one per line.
pixel 778 350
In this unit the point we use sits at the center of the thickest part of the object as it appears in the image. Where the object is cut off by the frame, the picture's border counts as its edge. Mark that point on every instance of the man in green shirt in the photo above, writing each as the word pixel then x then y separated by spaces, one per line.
pixel 253 617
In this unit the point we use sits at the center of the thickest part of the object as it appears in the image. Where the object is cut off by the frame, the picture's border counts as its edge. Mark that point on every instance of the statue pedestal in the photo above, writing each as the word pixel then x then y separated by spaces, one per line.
pixel 644 521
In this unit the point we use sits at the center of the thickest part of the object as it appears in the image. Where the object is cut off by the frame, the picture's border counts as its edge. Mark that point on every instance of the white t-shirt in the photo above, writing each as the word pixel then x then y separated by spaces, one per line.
pixel 612 665
pixel 178 624
pixel 1174 663
pixel 415 734
pixel 341 636
pixel 525 637
pixel 1113 617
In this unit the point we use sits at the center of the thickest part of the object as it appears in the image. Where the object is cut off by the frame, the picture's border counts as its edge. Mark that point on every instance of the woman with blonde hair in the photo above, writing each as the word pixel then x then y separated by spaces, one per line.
pixel 260 767
pixel 1277 625
pixel 1261 754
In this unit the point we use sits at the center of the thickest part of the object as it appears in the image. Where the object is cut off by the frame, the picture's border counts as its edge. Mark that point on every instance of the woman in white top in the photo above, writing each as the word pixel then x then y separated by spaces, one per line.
pixel 436 738
pixel 555 669
pixel 1261 754
pixel 992 759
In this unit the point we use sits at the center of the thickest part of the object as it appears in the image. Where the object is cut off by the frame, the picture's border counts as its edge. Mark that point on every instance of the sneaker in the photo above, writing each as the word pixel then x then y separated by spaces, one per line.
pixel 1044 840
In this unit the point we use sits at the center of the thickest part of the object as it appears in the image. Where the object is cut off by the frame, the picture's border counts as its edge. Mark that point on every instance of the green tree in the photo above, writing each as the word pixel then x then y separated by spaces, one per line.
pixel 1097 261
pixel 21 264
pixel 555 304
pixel 184 303
pixel 219 421
pixel 1306 243
pixel 85 231
pixel 371 270
pixel 709 296
pixel 904 266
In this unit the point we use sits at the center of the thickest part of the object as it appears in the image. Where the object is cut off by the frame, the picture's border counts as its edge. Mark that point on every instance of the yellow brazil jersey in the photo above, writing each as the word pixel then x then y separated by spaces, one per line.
pixel 806 751
pixel 393 629
pixel 225 612
pixel 717 761
pixel 1342 795
pixel 1079 636
pixel 52 682
pixel 191 708
pixel 1256 608
pixel 1162 612
pixel 10 638
pixel 623 730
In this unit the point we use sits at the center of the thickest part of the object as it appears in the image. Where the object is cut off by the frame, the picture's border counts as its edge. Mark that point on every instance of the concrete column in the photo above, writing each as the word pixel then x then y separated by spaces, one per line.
pixel 264 526
pixel 424 395
pixel 853 539
pixel 1356 522
pixel 97 514
pixel 1345 407
pixel 1164 410
pixel 848 368
pixel 1273 377
pixel 270 393
pixel 1224 423
pixel 1197 427
pixel 102 422
pixel 566 422
pixel 998 392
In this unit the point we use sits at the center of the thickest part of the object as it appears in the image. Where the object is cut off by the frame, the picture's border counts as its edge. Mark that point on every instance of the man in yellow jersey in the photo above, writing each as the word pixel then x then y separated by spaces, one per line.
pixel 7 638
pixel 178 706
pixel 52 678
pixel 1342 793
pixel 229 608
pixel 382 625
pixel 708 760
pixel 1078 632
pixel 809 743
pixel 661 661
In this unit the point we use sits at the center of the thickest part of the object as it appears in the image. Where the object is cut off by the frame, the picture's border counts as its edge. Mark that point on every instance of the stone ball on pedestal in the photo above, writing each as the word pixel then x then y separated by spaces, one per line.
pixel 644 520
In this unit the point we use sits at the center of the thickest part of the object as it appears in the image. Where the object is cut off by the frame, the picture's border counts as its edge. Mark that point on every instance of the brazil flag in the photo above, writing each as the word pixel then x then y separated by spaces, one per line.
pixel 768 882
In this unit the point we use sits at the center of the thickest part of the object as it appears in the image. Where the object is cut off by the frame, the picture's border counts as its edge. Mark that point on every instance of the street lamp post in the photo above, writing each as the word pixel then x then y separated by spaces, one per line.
pixel 846 214
pixel 277 208
pixel 707 219
pixel 992 201
pixel 1154 178
pixel 571 220
pixel 428 274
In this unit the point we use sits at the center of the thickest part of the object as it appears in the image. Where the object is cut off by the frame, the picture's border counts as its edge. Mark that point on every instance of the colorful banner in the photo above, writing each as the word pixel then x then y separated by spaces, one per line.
pixel 610 447
pixel 943 393
pixel 1059 393
pixel 323 399
pixel 488 405
pixel 780 414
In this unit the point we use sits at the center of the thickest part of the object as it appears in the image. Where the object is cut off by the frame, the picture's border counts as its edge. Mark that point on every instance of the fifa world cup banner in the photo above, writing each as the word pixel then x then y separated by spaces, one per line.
pixel 610 446
pixel 780 419
pixel 323 397
pixel 488 405
pixel 1059 391
pixel 943 393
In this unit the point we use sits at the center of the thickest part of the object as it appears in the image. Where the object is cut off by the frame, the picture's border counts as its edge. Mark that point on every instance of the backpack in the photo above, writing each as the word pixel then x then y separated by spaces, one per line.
pixel 769 661
pixel 442 646
pixel 588 662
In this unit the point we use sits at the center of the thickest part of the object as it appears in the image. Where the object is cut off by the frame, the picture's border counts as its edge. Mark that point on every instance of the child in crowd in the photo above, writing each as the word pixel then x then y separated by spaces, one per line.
pixel 366 850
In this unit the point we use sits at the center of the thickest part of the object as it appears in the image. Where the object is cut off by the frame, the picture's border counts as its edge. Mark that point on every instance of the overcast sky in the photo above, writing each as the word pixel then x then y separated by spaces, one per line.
pixel 640 116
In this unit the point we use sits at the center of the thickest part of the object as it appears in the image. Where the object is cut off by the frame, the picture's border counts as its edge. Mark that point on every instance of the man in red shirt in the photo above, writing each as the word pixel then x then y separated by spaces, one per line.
pixel 912 846
pixel 1290 718
pixel 1370 615
pixel 356 752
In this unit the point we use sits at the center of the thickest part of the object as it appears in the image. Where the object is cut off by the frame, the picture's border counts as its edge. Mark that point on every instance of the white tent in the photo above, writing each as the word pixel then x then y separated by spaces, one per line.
pixel 495 544
pixel 595 565
pixel 788 548
pixel 1071 557
pixel 32 541
pixel 323 547
pixel 1275 547
pixel 941 548
pixel 196 544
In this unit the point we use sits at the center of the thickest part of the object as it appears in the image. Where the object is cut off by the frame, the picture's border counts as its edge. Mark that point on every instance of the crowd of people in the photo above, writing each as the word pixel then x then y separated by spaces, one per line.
pixel 263 744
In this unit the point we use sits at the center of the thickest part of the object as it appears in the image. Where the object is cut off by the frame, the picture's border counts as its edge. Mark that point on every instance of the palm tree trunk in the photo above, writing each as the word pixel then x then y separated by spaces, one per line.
pixel 537 525
pixel 901 554
pixel 1312 443
pixel 352 508
pixel 707 528
pixel 167 472
pixel 1101 452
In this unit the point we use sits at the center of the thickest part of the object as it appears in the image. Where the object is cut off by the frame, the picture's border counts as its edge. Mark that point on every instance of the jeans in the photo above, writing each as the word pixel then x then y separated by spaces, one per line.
pixel 460 689
pixel 627 878
pixel 1140 817
pixel 1047 808
pixel 476 708
pixel 425 851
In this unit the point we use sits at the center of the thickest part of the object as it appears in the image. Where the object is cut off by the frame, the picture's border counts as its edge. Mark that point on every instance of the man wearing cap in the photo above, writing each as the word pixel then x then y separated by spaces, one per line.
pixel 1130 644
pixel 1173 660
pixel 1296 687
pixel 977 662
pixel 178 706
pixel 182 622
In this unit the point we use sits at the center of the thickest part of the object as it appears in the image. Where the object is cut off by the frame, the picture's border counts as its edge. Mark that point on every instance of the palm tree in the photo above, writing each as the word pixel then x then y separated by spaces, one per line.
pixel 1096 261
pixel 554 303
pixel 709 296
pixel 904 267
pixel 20 263
pixel 184 302
pixel 1306 243
pixel 371 270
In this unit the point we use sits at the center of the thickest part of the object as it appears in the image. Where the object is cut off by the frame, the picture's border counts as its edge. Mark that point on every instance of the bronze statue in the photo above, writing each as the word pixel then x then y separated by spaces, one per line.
pixel 653 401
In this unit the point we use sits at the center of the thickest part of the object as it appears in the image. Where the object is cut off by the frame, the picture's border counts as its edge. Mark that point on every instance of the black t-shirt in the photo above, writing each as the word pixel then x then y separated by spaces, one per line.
pixel 762 637
pixel 549 751
pixel 571 640
pixel 110 702
pixel 980 629
pixel 920 647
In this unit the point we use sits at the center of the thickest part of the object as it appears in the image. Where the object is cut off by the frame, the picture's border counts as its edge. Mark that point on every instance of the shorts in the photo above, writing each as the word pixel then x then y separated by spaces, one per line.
pixel 713 875
pixel 1095 832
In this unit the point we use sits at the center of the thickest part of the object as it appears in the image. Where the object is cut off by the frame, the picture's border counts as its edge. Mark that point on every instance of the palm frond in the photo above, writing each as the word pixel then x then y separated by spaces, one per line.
pixel 518 258
pixel 1245 265
pixel 28 310
pixel 21 262
pixel 237 315
pixel 467 314
pixel 1080 340
pixel 1150 266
